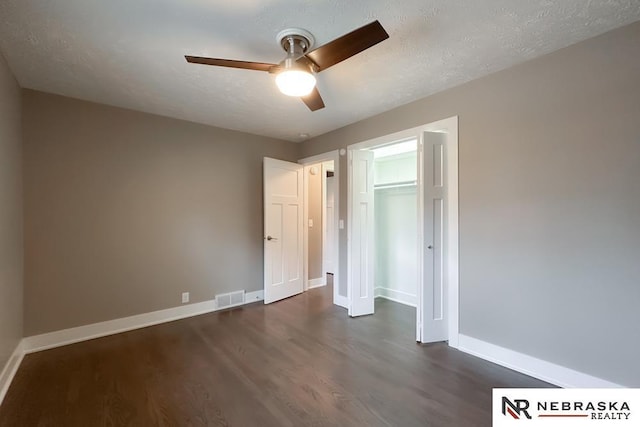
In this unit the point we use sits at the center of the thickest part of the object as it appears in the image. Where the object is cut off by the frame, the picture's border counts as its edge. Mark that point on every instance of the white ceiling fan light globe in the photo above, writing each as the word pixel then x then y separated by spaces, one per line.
pixel 295 82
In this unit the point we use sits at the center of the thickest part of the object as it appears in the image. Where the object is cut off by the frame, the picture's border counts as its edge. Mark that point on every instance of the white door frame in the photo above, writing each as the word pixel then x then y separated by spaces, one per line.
pixel 450 126
pixel 325 266
pixel 320 158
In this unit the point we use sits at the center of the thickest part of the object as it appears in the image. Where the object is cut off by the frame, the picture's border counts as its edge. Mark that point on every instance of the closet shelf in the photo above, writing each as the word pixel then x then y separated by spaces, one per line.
pixel 395 185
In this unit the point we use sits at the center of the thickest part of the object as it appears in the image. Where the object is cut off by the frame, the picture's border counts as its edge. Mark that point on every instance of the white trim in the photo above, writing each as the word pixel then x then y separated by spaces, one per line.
pixel 396 296
pixel 253 296
pixel 420 236
pixel 319 158
pixel 349 225
pixel 110 327
pixel 316 283
pixel 305 228
pixel 323 216
pixel 327 157
pixel 534 367
pixel 325 169
pixel 10 369
pixel 453 239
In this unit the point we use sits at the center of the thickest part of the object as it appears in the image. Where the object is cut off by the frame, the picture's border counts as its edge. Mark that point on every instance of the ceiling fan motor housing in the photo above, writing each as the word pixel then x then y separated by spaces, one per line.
pixel 296 42
pixel 297 38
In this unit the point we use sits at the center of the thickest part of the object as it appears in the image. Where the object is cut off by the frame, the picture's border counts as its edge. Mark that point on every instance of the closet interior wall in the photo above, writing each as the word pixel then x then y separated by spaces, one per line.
pixel 396 228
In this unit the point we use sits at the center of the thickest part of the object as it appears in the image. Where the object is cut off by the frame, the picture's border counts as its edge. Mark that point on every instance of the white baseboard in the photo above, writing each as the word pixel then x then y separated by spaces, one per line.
pixel 315 283
pixel 253 296
pixel 110 327
pixel 396 296
pixel 10 369
pixel 537 368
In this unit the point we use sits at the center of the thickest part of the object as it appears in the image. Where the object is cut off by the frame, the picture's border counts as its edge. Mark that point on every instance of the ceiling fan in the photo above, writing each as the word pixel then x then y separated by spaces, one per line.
pixel 295 73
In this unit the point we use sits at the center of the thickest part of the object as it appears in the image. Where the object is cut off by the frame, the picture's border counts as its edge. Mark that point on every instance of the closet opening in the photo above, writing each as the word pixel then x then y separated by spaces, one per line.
pixel 402 222
pixel 396 222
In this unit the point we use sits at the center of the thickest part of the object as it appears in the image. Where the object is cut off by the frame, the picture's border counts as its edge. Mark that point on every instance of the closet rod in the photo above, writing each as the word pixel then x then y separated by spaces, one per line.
pixel 395 185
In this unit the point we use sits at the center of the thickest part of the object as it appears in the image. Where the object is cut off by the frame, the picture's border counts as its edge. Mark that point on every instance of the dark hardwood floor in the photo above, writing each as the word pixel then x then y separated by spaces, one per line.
pixel 298 362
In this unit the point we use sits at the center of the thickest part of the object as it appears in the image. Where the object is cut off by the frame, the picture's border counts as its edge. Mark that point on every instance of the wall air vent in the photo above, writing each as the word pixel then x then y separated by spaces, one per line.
pixel 230 299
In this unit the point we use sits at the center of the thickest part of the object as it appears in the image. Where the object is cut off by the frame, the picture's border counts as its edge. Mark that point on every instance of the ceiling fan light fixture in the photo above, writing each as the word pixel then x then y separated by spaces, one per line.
pixel 295 75
pixel 295 82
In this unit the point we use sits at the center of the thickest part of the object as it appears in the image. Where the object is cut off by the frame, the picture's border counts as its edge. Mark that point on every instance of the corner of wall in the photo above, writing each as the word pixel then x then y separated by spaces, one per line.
pixel 11 226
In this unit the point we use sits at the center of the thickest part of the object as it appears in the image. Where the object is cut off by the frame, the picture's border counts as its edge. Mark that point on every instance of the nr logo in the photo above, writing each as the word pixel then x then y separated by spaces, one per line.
pixel 516 409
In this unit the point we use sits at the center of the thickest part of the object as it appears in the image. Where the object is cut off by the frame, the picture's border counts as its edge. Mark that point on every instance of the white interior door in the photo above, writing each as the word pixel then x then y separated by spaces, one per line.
pixel 283 232
pixel 361 287
pixel 435 204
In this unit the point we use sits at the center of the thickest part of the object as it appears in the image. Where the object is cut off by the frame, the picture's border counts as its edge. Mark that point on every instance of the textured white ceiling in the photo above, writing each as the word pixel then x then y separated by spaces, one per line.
pixel 130 53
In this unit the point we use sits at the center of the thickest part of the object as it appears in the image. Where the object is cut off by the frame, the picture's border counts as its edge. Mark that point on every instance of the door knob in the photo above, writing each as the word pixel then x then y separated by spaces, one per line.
pixel 429 247
pixel 271 238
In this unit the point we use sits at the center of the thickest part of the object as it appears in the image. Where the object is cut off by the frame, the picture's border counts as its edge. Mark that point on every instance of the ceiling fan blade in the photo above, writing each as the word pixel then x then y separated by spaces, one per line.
pixel 313 100
pixel 348 45
pixel 258 66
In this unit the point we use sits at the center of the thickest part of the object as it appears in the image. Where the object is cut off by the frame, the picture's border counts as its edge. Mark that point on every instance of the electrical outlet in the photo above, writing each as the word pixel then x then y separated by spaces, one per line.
pixel 185 297
pixel 310 222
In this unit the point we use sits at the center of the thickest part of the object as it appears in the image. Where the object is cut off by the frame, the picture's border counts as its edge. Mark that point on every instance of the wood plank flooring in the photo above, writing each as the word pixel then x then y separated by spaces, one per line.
pixel 298 362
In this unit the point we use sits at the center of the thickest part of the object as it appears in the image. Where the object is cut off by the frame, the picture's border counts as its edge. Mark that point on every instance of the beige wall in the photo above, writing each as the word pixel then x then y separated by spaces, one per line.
pixel 124 211
pixel 549 170
pixel 315 214
pixel 11 251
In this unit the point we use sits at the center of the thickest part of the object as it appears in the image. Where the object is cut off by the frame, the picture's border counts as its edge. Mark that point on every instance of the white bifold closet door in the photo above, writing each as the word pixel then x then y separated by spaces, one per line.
pixel 361 262
pixel 434 297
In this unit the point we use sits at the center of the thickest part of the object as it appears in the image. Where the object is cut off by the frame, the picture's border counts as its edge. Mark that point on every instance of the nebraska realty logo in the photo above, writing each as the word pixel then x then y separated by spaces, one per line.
pixel 566 407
